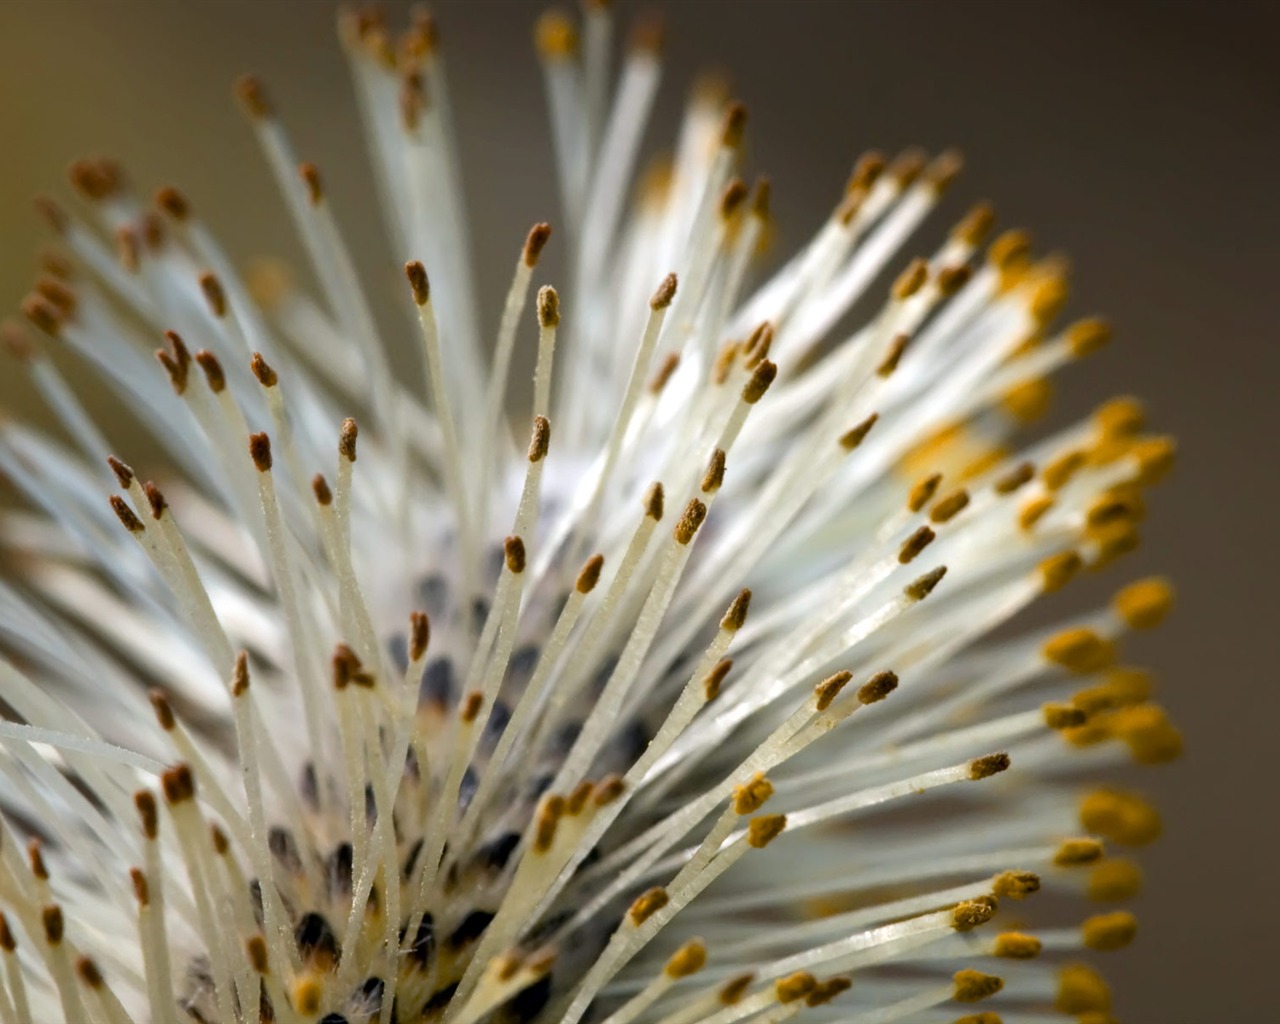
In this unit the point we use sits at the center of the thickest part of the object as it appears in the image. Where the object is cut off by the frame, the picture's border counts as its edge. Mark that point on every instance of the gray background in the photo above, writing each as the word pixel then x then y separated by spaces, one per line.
pixel 1139 137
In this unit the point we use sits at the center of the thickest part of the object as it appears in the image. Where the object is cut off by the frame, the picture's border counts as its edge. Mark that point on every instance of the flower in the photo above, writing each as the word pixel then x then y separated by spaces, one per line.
pixel 396 767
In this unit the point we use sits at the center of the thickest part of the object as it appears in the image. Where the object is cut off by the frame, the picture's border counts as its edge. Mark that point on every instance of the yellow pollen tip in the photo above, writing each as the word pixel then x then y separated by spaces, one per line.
pixel 1029 401
pixel 1016 946
pixel 1081 989
pixel 1059 570
pixel 1075 852
pixel 751 796
pixel 1114 880
pixel 763 830
pixel 974 986
pixel 1033 511
pixel 1120 816
pixel 1087 336
pixel 979 1018
pixel 1015 885
pixel 647 905
pixel 1146 729
pixel 1120 417
pixel 688 959
pixel 306 996
pixel 1144 604
pixel 556 36
pixel 971 913
pixel 1107 932
pixel 1080 650
pixel 794 986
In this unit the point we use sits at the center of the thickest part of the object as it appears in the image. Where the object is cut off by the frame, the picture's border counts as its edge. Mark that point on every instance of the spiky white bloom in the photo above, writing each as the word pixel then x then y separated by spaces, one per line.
pixel 397 768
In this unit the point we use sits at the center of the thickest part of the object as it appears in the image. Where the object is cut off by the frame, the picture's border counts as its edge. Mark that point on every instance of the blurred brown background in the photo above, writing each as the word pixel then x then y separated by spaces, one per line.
pixel 1139 137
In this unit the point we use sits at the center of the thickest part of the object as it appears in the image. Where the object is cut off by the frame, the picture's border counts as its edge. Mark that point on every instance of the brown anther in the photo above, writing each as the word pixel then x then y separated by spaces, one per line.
pixel 35 858
pixel 910 280
pixel 893 355
pixel 725 359
pixel 736 615
pixel 128 249
pixel 1058 473
pixel 714 679
pixel 419 635
pixel 713 478
pixel 761 196
pixel 253 97
pixel 146 807
pixel 589 574
pixel 733 126
pixel 179 785
pixel 471 706
pixel 907 166
pixel 214 294
pixel 549 814
pixel 221 844
pixel 255 949
pixel 163 710
pixel 155 499
pixel 689 522
pixel 548 307
pixel 1063 716
pixel 514 555
pixel 854 436
pixel 534 243
pixel 213 375
pixel 688 959
pixel 828 690
pixel 732 198
pixel 827 990
pixel 758 384
pixel 416 274
pixel 608 790
pixel 42 314
pixel 665 294
pixel 240 674
pixel 320 488
pixel 646 905
pixel 1010 251
pixel 664 371
pixel 921 588
pixel 177 365
pixel 1033 511
pixel 950 506
pixel 877 688
pixel 53 213
pixel 794 986
pixel 952 279
pixel 310 175
pixel 87 971
pixel 16 342
pixel 976 225
pixel 985 767
pixel 260 451
pixel 732 991
pixel 1017 477
pixel 577 801
pixel 916 543
pixel 51 918
pixel 1087 336
pixel 125 514
pixel 866 171
pixel 173 204
pixel 540 439
pixel 347 436
pixel 266 375
pixel 141 890
pixel 923 492
pixel 653 502
pixel 123 472
pixel 943 169
pixel 764 829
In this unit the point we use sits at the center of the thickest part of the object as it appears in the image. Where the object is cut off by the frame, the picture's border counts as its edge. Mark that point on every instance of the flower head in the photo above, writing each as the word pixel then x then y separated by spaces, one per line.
pixel 674 700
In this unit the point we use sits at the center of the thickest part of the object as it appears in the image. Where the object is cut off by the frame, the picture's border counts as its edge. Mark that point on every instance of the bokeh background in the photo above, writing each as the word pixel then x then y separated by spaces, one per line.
pixel 1139 137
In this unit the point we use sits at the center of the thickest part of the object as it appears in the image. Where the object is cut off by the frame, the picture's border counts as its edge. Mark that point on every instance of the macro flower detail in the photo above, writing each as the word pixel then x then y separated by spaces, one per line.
pixel 673 698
